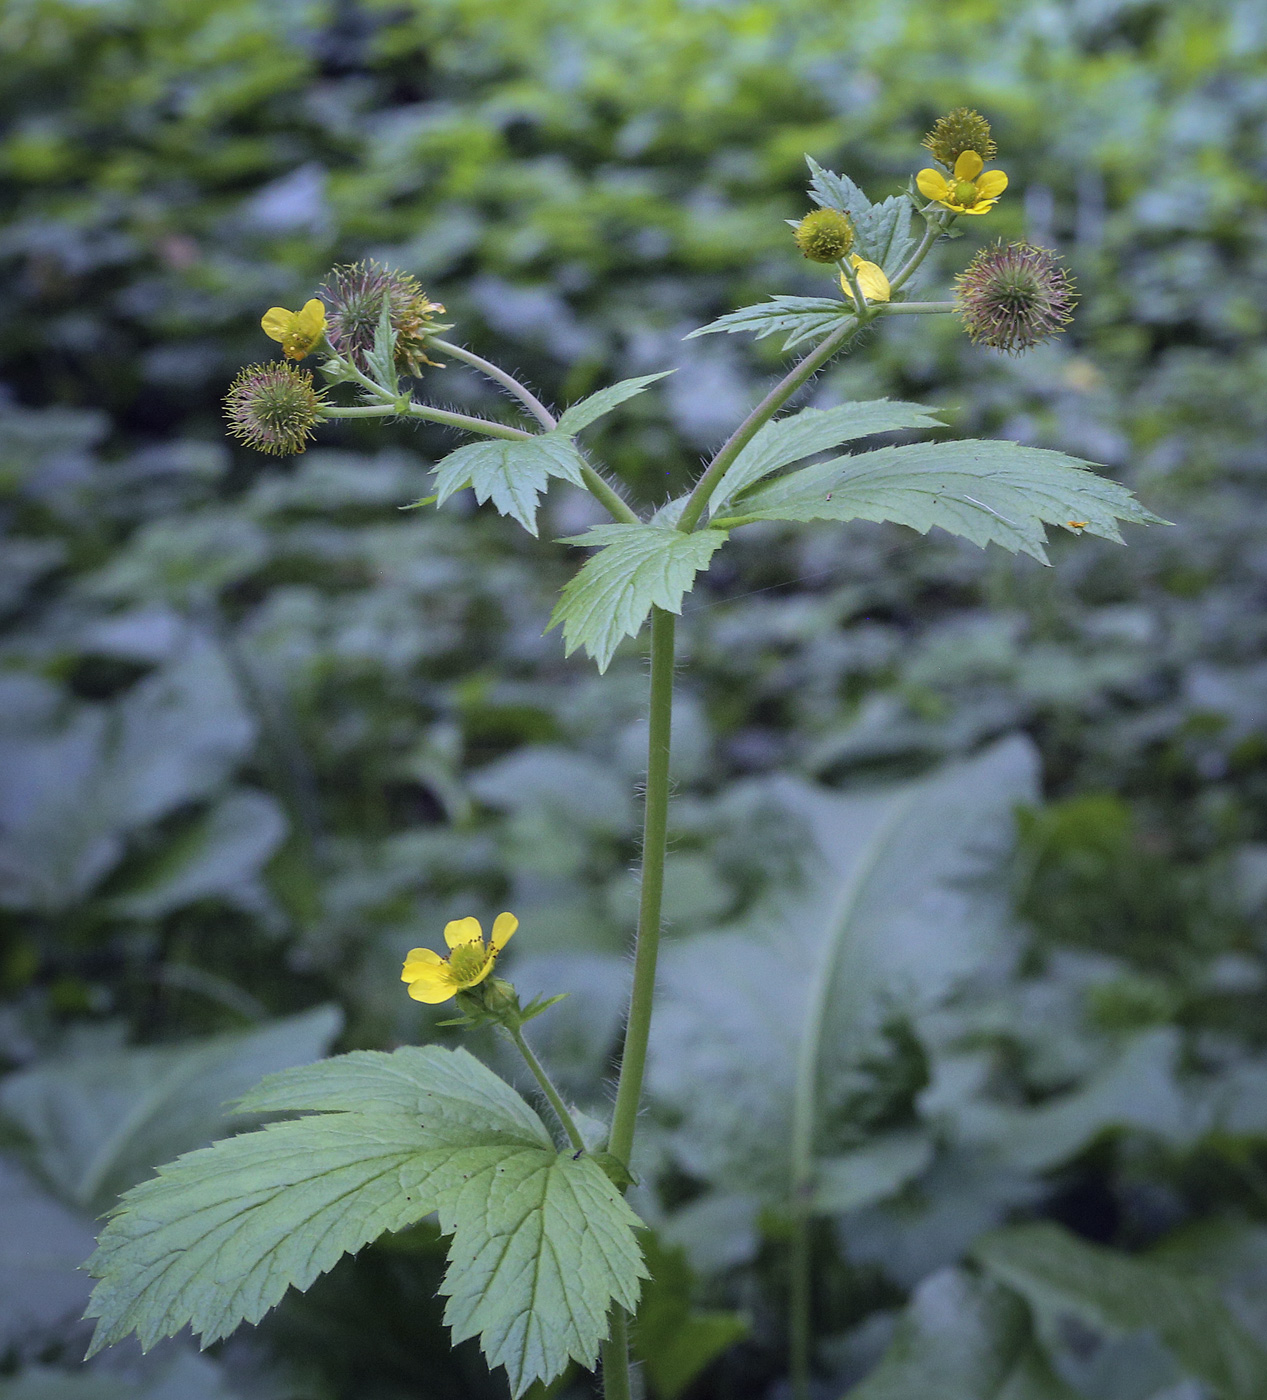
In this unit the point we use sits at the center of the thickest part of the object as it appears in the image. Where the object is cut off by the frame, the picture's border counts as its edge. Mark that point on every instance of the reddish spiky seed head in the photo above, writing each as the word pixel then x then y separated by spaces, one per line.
pixel 273 408
pixel 1014 296
pixel 354 295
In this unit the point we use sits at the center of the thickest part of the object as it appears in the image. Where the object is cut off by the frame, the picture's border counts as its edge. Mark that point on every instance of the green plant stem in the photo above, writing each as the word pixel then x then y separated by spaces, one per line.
pixel 633 1059
pixel 804 1095
pixel 499 376
pixel 764 411
pixel 616 1378
pixel 598 485
pixel 931 234
pixel 916 308
pixel 547 1088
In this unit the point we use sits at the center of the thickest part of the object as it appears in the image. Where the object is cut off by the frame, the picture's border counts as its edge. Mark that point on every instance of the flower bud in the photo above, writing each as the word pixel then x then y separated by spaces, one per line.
pixel 959 131
pixel 273 407
pixel 355 295
pixel 1014 296
pixel 825 236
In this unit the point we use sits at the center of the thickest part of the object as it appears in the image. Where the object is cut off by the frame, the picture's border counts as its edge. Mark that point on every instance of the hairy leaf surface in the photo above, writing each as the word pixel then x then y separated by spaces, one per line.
pixel 638 567
pixel 787 440
pixel 542 1244
pixel 512 473
pixel 988 492
pixel 581 415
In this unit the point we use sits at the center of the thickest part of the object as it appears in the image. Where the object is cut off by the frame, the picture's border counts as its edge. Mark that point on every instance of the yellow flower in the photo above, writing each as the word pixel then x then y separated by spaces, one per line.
pixel 299 332
pixel 434 979
pixel 968 191
pixel 872 282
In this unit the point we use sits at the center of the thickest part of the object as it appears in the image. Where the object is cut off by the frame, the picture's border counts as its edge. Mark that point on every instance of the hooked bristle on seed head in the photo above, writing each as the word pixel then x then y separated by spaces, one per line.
pixel 1014 296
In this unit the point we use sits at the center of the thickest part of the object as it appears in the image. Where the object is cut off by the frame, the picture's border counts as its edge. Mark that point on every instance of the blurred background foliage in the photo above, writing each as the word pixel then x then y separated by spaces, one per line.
pixel 261 732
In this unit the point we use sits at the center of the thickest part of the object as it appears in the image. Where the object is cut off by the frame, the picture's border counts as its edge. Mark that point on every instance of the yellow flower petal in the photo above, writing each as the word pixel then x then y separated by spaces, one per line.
pixel 991 185
pixel 932 185
pixel 872 282
pixel 503 926
pixel 436 989
pixel 459 931
pixel 983 208
pixel 968 166
pixel 417 963
pixel 276 322
pixel 310 320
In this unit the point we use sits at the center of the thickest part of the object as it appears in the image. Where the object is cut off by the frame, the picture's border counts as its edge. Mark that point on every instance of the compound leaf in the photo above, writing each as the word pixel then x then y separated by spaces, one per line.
pixel 582 414
pixel 988 492
pixel 543 1245
pixel 801 317
pixel 815 430
pixel 638 567
pixel 882 232
pixel 512 473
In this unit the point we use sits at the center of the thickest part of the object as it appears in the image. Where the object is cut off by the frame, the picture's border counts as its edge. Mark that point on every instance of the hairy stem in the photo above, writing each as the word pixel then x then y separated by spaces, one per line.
pixel 633 1060
pixel 547 1088
pixel 916 308
pixel 499 376
pixel 764 411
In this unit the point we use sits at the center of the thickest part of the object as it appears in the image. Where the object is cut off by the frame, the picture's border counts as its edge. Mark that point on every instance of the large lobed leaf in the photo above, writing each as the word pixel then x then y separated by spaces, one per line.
pixel 638 567
pixel 512 473
pixel 1061 1275
pixel 787 440
pixel 543 1244
pixel 988 492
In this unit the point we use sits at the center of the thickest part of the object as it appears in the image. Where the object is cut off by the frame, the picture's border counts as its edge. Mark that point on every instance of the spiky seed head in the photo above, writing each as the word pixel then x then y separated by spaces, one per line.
pixel 354 295
pixel 273 407
pixel 959 131
pixel 825 236
pixel 1013 296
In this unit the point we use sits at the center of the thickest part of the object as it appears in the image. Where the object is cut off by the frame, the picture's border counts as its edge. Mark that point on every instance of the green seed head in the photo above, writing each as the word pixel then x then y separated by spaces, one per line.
pixel 273 407
pixel 825 236
pixel 966 193
pixel 959 131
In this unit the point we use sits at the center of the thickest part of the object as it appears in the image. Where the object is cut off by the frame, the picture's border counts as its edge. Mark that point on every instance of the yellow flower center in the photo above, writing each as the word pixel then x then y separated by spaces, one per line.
pixel 966 193
pixel 467 960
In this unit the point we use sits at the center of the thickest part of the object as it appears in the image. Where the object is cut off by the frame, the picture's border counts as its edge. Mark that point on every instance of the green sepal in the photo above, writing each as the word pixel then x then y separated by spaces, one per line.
pixel 381 360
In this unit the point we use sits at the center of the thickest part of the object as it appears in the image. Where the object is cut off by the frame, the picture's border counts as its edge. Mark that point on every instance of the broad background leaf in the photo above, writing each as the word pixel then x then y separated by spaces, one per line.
pixel 988 492
pixel 94 1125
pixel 637 567
pixel 1060 1274
pixel 963 1338
pixel 733 1004
pixel 512 473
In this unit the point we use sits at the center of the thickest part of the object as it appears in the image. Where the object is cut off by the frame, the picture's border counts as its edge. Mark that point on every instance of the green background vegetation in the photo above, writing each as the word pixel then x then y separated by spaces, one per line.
pixel 260 732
